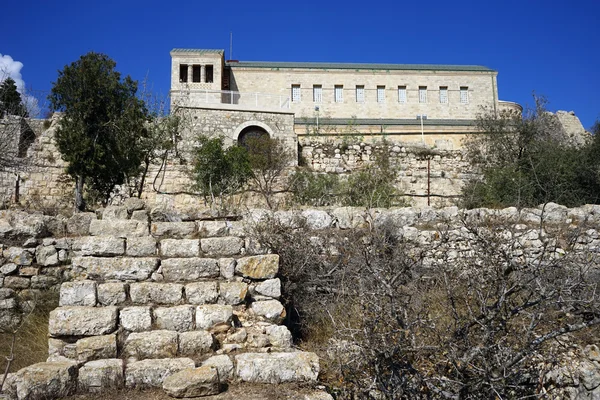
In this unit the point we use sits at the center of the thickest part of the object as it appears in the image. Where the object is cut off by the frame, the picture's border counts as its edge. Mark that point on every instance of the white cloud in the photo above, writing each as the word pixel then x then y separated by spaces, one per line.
pixel 12 68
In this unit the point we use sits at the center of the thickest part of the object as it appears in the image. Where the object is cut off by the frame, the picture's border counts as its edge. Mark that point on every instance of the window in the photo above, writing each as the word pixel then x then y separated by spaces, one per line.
pixel 464 94
pixel 196 73
pixel 422 94
pixel 317 93
pixel 380 94
pixel 295 93
pixel 360 94
pixel 401 94
pixel 444 94
pixel 209 74
pixel 339 93
pixel 183 70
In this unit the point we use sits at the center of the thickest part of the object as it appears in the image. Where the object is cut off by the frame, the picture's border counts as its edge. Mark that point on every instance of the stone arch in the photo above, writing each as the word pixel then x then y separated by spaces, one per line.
pixel 251 129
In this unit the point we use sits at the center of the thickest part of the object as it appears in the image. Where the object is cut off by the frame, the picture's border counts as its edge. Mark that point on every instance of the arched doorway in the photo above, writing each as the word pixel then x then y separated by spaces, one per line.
pixel 251 132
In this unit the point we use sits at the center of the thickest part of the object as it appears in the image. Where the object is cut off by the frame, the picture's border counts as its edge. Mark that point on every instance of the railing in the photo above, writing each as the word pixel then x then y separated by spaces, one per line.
pixel 243 99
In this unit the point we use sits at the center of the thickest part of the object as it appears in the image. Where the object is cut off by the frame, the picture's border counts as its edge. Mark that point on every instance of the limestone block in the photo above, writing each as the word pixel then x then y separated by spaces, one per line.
pixel 112 293
pixel 10 319
pixel 270 288
pixel 258 267
pixel 153 344
pixel 55 347
pixel 180 247
pixel 101 375
pixel 151 373
pixel 134 204
pixel 271 310
pixel 227 267
pixel 140 215
pixel 179 318
pixel 46 255
pixel 9 268
pixel 224 366
pixel 137 269
pixel 78 293
pixel 104 246
pixel 279 336
pixel 195 343
pixel 277 367
pixel 202 292
pixel 8 304
pixel 79 224
pixel 156 293
pixel 16 282
pixel 349 217
pixel 136 319
pixel 120 228
pixel 212 228
pixel 203 381
pixel 317 219
pixel 6 293
pixel 28 271
pixel 222 246
pixel 175 230
pixel 189 269
pixel 209 315
pixel 18 255
pixel 96 348
pixel 82 321
pixel 44 380
pixel 114 212
pixel 233 293
pixel 43 281
pixel 144 246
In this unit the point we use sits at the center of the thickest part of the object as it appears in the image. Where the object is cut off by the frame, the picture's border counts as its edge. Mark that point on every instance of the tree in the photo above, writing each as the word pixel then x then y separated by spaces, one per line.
pixel 100 132
pixel 10 99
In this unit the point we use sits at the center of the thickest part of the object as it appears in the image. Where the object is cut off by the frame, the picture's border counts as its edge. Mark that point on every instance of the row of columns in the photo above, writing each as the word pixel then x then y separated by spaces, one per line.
pixel 191 73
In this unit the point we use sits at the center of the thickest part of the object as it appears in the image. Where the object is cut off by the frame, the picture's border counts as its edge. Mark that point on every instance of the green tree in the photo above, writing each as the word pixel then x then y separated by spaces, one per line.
pixel 10 99
pixel 100 132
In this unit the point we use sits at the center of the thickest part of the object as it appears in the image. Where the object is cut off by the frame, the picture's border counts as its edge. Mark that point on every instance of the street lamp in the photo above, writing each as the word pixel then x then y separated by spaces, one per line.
pixel 422 117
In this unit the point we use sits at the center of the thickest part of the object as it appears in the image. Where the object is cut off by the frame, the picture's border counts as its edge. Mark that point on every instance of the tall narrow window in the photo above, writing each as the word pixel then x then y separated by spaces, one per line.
pixel 339 93
pixel 401 94
pixel 209 73
pixel 444 94
pixel 183 69
pixel 381 94
pixel 196 73
pixel 296 94
pixel 360 94
pixel 317 93
pixel 422 94
pixel 464 94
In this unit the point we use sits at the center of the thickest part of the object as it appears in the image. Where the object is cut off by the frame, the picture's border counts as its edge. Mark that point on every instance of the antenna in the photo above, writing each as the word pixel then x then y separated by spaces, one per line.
pixel 231 45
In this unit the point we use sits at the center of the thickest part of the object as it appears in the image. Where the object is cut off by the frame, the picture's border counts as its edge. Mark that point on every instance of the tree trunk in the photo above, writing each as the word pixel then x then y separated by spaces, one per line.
pixel 79 202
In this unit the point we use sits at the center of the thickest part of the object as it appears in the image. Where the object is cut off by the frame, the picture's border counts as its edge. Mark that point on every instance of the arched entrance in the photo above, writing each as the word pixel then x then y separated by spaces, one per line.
pixel 251 132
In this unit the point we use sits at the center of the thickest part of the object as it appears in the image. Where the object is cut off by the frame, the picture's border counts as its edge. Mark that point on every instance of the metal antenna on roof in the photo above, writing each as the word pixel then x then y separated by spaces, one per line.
pixel 231 45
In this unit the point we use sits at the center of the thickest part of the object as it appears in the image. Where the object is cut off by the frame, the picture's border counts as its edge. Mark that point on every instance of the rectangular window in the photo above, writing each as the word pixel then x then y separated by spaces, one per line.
pixel 401 94
pixel 422 94
pixel 183 69
pixel 339 93
pixel 209 73
pixel 380 94
pixel 296 94
pixel 196 73
pixel 464 94
pixel 444 94
pixel 317 93
pixel 360 94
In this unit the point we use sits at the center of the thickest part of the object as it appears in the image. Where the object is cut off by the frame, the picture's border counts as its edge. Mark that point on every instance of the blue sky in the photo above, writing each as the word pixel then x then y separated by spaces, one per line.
pixel 550 47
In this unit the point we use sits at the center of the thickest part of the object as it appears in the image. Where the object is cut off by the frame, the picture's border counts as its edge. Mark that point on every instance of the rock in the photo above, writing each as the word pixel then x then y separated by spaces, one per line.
pixel 258 267
pixel 212 228
pixel 180 318
pixel 10 319
pixel 272 310
pixel 101 375
pixel 232 293
pixel 134 204
pixel 23 225
pixel 8 304
pixel 153 344
pixel 104 246
pixel 224 366
pixel 79 224
pixel 114 212
pixel 16 282
pixel 180 247
pixel 201 292
pixel 222 246
pixel 151 373
pixel 43 282
pixel 136 319
pixel 209 315
pixel 317 219
pixel 29 271
pixel 96 348
pixel 78 293
pixel 45 380
pixel 82 321
pixel 112 293
pixel 270 288
pixel 195 343
pixel 349 217
pixel 277 367
pixel 590 375
pixel 176 230
pixel 203 381
pixel 9 268
pixel 144 246
pixel 157 293
pixel 18 255
pixel 189 269
pixel 227 267
pixel 137 269
pixel 6 293
pixel 140 215
pixel 121 228
pixel 46 256
pixel 279 336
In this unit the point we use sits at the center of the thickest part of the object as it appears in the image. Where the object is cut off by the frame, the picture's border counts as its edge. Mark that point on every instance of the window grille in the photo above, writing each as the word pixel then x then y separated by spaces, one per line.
pixel 339 93
pixel 317 93
pixel 401 94
pixel 380 94
pixel 295 93
pixel 360 94
pixel 444 94
pixel 464 94
pixel 422 94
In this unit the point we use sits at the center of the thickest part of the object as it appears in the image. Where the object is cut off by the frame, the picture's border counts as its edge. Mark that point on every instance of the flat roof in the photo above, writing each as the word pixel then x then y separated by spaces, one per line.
pixel 358 66
pixel 198 51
